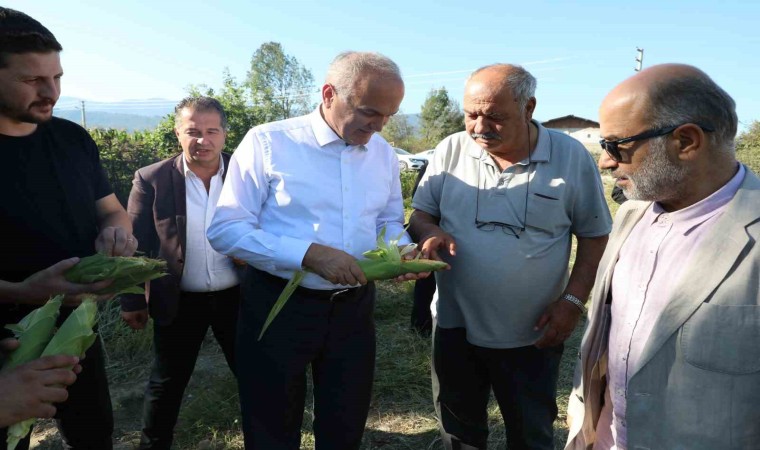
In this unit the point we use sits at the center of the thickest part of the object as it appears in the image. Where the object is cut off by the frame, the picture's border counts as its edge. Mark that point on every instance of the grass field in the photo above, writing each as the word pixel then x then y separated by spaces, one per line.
pixel 401 416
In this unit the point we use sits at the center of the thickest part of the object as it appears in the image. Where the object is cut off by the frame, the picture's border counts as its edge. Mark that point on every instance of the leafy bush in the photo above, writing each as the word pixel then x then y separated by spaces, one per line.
pixel 748 147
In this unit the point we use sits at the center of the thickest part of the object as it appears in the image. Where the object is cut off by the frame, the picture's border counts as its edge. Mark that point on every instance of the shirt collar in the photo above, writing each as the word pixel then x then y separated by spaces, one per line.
pixel 186 169
pixel 325 135
pixel 541 153
pixel 322 132
pixel 690 217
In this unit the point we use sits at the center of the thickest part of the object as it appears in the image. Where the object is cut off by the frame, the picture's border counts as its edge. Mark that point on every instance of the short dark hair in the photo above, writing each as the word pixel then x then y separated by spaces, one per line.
pixel 695 98
pixel 201 104
pixel 20 33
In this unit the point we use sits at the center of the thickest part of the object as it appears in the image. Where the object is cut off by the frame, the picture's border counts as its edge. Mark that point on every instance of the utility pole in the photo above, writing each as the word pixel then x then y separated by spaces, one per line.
pixel 84 116
pixel 639 58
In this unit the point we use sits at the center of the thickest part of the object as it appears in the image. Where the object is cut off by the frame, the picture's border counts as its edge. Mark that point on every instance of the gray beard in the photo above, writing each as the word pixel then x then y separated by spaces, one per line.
pixel 658 178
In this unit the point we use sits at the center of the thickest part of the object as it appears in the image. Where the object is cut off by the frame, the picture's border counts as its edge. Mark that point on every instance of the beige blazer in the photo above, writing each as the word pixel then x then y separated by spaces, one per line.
pixel 697 385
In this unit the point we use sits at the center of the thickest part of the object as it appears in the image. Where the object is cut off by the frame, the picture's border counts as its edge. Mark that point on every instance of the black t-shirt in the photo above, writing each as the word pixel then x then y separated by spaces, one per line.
pixel 51 181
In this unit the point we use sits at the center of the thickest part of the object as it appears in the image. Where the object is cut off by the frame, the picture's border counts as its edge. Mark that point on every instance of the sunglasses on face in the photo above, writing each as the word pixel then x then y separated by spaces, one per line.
pixel 611 147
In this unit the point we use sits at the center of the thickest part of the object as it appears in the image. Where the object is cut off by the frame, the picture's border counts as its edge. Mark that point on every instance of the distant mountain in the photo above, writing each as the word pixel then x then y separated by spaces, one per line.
pixel 127 122
pixel 129 115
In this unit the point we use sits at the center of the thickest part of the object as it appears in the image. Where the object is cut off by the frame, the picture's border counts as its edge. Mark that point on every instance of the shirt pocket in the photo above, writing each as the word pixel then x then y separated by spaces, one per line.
pixel 546 212
pixel 723 338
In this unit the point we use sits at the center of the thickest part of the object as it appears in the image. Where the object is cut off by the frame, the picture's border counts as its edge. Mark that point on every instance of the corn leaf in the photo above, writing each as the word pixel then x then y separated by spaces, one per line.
pixel 127 272
pixel 282 299
pixel 33 333
pixel 75 335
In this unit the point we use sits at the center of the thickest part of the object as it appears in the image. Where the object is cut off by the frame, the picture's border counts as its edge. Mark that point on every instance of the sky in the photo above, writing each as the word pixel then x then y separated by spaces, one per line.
pixel 578 51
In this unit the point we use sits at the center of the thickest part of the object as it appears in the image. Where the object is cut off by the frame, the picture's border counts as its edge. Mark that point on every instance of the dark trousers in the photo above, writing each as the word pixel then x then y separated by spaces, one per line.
pixel 524 382
pixel 424 290
pixel 332 332
pixel 85 420
pixel 176 347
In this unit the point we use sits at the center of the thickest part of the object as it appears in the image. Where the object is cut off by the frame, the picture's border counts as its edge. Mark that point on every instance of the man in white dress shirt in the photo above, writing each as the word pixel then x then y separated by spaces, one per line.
pixel 312 193
pixel 171 205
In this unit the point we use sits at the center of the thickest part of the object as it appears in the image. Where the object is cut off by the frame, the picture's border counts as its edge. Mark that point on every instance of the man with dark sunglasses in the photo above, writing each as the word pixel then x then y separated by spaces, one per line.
pixel 500 203
pixel 671 355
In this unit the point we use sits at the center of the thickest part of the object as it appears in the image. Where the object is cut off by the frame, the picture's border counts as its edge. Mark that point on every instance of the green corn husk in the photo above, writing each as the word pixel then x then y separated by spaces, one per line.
pixel 73 338
pixel 282 299
pixel 33 332
pixel 126 271
pixel 382 263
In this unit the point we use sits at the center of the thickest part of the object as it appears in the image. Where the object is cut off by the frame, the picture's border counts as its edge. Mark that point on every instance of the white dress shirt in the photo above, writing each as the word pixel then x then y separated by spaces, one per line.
pixel 295 182
pixel 205 269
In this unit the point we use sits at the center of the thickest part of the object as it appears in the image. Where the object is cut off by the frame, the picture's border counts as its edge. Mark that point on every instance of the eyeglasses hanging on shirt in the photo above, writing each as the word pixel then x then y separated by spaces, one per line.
pixel 506 228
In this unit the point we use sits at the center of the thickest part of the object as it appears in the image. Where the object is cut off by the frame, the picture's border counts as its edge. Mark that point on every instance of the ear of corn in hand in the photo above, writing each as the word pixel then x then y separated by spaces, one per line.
pixel 387 260
pixel 73 338
pixel 75 334
pixel 33 333
pixel 382 263
pixel 128 272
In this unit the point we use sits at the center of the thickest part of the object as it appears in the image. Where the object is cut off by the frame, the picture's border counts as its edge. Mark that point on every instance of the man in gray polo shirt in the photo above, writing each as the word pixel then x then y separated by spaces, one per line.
pixel 499 202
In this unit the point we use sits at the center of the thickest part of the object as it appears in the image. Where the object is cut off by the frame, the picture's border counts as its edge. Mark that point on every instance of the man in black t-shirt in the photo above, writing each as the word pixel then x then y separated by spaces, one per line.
pixel 55 204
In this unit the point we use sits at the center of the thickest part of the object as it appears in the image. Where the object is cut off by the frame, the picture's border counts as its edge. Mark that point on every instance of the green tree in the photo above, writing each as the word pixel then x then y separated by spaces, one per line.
pixel 242 114
pixel 440 116
pixel 748 147
pixel 279 84
pixel 122 153
pixel 400 133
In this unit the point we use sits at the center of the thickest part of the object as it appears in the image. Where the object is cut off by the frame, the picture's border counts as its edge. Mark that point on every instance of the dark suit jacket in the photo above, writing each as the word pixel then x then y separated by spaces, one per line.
pixel 158 213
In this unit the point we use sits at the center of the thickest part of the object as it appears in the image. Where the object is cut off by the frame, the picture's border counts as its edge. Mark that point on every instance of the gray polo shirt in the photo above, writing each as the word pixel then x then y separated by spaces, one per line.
pixel 499 284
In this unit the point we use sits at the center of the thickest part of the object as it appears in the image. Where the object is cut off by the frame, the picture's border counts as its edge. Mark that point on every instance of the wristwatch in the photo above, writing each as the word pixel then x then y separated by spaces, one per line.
pixel 575 301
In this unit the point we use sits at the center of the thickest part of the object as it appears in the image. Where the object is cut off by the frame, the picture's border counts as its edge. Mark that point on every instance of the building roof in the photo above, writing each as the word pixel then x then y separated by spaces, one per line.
pixel 552 123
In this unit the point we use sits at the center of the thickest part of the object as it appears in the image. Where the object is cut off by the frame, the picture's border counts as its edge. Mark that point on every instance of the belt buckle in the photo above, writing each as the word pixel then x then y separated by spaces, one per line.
pixel 337 293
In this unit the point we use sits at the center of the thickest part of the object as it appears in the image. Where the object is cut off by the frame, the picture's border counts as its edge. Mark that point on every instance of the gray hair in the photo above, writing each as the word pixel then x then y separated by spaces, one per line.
pixel 695 98
pixel 200 104
pixel 520 82
pixel 346 69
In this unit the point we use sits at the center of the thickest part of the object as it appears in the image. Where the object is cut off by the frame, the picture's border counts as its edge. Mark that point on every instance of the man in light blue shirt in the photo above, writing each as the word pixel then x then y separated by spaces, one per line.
pixel 312 192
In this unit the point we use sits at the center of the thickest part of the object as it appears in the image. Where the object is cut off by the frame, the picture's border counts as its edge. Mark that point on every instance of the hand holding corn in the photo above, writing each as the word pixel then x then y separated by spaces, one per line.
pixel 29 390
pixel 385 262
pixel 115 241
pixel 335 266
pixel 46 283
pixel 34 333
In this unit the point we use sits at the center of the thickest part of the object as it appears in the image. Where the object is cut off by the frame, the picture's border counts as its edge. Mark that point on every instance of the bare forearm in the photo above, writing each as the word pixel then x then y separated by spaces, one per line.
pixel 587 258
pixel 422 224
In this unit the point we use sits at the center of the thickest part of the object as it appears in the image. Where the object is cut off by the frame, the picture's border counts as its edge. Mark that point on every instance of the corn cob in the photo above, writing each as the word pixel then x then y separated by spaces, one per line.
pixel 33 333
pixel 382 263
pixel 127 272
pixel 73 338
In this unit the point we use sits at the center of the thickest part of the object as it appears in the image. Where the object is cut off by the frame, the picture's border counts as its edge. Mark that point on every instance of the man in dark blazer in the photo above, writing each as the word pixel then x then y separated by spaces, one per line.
pixel 171 205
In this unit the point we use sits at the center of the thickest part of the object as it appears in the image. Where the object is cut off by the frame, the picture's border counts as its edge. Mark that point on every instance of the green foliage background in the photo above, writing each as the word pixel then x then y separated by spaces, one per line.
pixel 748 147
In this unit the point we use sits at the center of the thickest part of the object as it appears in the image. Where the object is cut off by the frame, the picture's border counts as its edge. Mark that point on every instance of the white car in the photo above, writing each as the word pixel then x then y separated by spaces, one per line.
pixel 426 155
pixel 408 161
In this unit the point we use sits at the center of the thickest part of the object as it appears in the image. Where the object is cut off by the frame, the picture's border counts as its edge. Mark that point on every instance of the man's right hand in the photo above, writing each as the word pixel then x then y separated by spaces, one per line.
pixel 30 390
pixel 335 266
pixel 435 242
pixel 135 319
pixel 39 287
